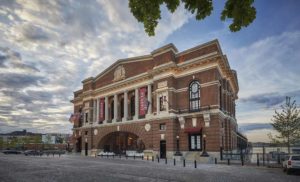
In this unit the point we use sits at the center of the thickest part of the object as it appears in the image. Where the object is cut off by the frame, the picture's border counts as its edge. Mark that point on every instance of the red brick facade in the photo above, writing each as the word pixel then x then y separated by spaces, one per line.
pixel 167 76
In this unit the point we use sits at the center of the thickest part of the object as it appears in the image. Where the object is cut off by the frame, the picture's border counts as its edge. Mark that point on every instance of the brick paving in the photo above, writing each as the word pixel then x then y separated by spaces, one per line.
pixel 80 168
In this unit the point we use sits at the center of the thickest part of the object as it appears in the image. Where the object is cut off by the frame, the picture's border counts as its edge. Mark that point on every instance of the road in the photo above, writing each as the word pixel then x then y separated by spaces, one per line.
pixel 79 168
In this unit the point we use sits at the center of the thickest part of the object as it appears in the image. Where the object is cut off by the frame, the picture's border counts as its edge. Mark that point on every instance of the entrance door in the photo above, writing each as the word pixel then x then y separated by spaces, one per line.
pixel 86 149
pixel 78 145
pixel 163 149
pixel 106 148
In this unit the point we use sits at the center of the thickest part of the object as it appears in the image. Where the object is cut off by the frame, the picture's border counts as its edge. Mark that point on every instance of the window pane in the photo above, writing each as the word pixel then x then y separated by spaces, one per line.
pixel 192 142
pixel 198 142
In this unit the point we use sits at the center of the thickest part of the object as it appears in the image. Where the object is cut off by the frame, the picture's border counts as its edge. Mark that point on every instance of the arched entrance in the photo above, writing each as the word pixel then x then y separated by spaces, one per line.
pixel 120 142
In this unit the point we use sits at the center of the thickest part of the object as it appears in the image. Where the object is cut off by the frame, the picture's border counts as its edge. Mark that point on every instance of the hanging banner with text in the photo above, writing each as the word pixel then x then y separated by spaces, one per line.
pixel 101 110
pixel 142 101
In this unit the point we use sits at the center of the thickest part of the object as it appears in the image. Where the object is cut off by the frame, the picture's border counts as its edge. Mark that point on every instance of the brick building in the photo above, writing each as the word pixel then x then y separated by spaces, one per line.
pixel 160 103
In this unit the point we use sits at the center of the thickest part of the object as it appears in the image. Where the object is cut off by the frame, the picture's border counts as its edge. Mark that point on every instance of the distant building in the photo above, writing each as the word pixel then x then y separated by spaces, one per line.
pixel 29 140
pixel 17 139
pixel 48 139
pixel 165 103
pixel 55 138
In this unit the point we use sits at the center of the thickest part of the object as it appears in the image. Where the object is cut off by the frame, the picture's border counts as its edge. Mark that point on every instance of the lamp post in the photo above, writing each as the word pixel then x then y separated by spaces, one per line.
pixel 204 153
pixel 177 153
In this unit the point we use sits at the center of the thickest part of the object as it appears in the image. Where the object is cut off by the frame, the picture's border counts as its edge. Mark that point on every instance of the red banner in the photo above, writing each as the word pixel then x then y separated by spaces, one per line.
pixel 142 101
pixel 101 110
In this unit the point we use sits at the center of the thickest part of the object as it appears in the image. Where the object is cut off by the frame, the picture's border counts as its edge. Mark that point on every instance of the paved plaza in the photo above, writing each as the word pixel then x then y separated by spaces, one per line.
pixel 80 168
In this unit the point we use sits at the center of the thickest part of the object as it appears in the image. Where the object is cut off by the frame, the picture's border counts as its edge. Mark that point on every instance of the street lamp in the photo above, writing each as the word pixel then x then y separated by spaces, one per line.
pixel 204 153
pixel 177 153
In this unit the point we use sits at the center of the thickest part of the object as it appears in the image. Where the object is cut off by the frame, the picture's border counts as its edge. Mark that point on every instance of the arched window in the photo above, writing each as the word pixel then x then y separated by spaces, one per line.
pixel 194 91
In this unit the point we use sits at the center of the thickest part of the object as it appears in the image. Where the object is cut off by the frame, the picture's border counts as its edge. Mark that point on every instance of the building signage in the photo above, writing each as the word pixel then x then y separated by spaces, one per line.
pixel 142 101
pixel 101 110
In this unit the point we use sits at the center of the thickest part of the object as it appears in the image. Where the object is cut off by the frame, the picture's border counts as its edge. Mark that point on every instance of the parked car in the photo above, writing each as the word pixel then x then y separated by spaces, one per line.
pixel 11 152
pixel 33 152
pixel 292 163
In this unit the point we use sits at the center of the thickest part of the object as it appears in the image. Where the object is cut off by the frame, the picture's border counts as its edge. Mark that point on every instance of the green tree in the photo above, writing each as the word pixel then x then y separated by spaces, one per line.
pixel 148 12
pixel 287 124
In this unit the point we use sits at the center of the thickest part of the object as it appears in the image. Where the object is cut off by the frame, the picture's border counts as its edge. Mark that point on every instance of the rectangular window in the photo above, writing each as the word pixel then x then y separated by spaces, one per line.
pixel 195 142
pixel 198 142
pixel 162 103
pixel 86 117
pixel 162 127
pixel 86 132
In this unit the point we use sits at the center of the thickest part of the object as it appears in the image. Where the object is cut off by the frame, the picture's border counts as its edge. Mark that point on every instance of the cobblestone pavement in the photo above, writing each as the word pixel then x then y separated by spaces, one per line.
pixel 80 168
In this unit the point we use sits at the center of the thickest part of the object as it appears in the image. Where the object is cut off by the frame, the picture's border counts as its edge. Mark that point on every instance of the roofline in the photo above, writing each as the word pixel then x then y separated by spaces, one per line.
pixel 170 46
pixel 215 41
pixel 120 61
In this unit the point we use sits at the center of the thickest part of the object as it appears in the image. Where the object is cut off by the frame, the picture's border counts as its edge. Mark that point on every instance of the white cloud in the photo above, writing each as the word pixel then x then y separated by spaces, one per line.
pixel 267 72
pixel 66 41
pixel 268 65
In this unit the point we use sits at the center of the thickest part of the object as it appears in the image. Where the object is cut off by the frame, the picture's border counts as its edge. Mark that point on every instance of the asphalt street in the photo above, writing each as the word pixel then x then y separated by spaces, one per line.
pixel 79 168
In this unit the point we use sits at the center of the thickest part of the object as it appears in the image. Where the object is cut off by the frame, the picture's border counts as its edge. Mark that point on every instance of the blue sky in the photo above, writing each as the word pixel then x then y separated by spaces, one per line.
pixel 48 47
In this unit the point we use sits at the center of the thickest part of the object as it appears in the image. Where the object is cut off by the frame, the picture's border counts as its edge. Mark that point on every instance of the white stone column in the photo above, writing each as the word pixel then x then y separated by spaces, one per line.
pixel 136 116
pixel 115 108
pixel 125 106
pixel 106 110
pixel 149 99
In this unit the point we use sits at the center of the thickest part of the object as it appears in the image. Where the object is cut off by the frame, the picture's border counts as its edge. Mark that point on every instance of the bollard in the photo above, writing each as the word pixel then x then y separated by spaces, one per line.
pixel 113 156
pixel 152 158
pixel 134 157
pixel 257 156
pixel 228 162
pixel 106 155
pixel 216 161
pixel 183 162
pixel 59 155
pixel 195 163
pixel 147 157
pixel 126 156
pixel 158 159
pixel 95 155
pixel 166 161
pixel 142 157
pixel 174 162
pixel 53 154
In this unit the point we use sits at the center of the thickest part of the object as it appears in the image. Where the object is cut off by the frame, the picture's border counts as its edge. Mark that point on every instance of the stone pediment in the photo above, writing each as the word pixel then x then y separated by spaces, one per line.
pixel 119 73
